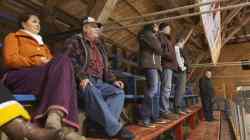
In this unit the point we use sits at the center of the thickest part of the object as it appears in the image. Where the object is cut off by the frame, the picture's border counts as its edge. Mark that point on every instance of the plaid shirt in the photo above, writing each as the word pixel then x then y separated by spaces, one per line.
pixel 96 65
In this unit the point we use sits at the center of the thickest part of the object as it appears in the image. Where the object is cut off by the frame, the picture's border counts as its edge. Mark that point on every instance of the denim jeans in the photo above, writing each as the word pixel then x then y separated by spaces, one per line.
pixel 150 106
pixel 103 104
pixel 166 86
pixel 180 88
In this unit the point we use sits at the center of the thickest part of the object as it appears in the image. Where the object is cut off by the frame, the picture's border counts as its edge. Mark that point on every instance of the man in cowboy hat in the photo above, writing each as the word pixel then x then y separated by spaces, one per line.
pixel 101 94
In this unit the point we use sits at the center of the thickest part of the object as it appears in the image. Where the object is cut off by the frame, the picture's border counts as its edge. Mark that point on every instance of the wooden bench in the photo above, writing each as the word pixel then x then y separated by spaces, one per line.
pixel 143 133
pixel 207 130
pixel 140 132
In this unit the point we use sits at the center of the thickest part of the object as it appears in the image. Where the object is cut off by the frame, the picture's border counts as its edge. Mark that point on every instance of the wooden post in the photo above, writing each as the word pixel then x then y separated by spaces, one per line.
pixel 191 121
pixel 201 115
pixel 179 132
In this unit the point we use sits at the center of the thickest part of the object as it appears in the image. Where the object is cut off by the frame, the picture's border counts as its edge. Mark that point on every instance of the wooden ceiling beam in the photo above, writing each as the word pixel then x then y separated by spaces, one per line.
pixel 197 43
pixel 200 57
pixel 101 9
pixel 85 2
pixel 119 45
pixel 60 14
pixel 120 24
pixel 133 7
pixel 245 21
pixel 231 16
pixel 52 3
pixel 174 3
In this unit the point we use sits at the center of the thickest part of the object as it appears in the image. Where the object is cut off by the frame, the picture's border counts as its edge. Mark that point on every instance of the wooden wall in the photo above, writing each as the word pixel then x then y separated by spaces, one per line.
pixel 226 79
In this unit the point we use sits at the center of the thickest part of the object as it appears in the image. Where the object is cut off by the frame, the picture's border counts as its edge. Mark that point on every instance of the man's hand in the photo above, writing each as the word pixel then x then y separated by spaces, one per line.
pixel 183 68
pixel 119 84
pixel 84 83
pixel 45 60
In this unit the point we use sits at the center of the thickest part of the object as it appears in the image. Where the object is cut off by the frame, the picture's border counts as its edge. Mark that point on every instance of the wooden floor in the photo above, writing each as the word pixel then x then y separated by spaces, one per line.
pixel 207 130
pixel 226 131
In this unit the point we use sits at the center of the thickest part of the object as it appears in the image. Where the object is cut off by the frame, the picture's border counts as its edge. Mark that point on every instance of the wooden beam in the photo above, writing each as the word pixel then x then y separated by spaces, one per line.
pixel 198 59
pixel 240 39
pixel 48 15
pixel 133 7
pixel 245 21
pixel 119 45
pixel 60 14
pixel 174 3
pixel 230 17
pixel 102 9
pixel 84 2
pixel 120 24
pixel 197 43
pixel 53 3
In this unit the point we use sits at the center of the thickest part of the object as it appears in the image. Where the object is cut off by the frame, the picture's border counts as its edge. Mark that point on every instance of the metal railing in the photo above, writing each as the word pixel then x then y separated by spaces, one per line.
pixel 239 113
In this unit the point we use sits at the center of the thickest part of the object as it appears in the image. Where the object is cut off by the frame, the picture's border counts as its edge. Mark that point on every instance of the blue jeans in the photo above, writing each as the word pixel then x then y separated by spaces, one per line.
pixel 103 103
pixel 166 86
pixel 150 106
pixel 180 88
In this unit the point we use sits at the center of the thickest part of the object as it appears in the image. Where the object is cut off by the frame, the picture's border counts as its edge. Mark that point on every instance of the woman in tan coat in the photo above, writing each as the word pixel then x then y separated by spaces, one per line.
pixel 32 68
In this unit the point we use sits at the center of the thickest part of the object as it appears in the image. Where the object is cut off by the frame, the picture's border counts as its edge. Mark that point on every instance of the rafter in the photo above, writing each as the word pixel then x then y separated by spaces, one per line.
pixel 197 43
pixel 101 9
pixel 198 59
pixel 231 16
pixel 245 21
pixel 120 24
pixel 174 3
pixel 85 2
pixel 61 15
pixel 133 7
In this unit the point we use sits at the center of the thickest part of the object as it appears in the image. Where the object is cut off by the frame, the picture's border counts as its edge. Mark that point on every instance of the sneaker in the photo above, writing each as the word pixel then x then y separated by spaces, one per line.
pixel 170 116
pixel 125 134
pixel 146 124
pixel 161 121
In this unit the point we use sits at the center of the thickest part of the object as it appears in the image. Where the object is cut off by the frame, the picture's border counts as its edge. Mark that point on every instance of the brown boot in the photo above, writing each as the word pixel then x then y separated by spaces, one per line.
pixel 54 119
pixel 71 134
pixel 18 129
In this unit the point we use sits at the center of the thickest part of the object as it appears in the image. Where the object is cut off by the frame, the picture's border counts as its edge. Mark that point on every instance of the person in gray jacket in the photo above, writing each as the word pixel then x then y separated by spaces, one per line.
pixel 150 62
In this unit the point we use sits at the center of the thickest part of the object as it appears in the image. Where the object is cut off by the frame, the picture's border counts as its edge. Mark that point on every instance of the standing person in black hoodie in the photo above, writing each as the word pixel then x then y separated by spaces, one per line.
pixel 207 94
pixel 150 62
pixel 169 65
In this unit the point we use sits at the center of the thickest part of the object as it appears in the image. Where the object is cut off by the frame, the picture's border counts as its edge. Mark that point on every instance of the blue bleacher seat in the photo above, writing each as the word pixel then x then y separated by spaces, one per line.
pixel 25 98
